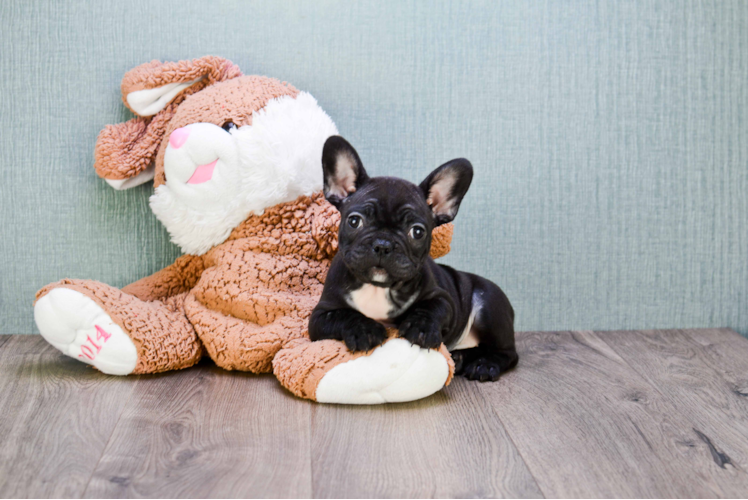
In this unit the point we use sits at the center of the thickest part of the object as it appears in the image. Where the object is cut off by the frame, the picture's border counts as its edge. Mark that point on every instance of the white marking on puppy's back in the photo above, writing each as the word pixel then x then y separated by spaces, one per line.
pixel 371 301
pixel 468 338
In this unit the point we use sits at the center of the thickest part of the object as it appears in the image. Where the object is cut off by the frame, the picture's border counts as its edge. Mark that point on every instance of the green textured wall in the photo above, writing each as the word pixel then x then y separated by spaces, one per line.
pixel 610 139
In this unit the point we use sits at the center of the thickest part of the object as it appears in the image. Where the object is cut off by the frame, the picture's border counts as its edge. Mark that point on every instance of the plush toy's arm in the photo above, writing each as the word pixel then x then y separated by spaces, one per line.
pixel 327 372
pixel 177 278
pixel 441 240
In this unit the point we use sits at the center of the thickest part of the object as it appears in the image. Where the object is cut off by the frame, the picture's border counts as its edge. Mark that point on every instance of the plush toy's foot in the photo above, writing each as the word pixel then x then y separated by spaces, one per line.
pixel 397 371
pixel 114 331
pixel 79 327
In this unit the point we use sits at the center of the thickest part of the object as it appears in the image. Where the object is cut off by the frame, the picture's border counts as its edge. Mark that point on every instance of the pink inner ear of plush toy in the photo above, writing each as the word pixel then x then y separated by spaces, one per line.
pixel 203 173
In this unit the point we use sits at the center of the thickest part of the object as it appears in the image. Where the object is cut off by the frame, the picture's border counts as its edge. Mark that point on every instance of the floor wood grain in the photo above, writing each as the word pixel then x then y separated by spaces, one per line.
pixel 28 344
pixel 4 339
pixel 448 445
pixel 588 425
pixel 702 375
pixel 726 352
pixel 206 432
pixel 611 414
pixel 56 416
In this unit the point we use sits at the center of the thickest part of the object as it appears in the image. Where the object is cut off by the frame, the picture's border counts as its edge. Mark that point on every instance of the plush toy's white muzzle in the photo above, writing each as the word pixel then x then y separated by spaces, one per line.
pixel 216 179
pixel 201 165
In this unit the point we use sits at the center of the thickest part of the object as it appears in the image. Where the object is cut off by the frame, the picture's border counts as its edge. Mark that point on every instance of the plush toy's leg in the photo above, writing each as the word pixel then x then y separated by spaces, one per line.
pixel 397 371
pixel 235 344
pixel 115 332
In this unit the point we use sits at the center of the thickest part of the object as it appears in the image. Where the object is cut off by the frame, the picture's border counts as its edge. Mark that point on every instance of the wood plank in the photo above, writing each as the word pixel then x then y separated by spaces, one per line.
pixel 592 414
pixel 703 374
pixel 726 352
pixel 56 416
pixel 22 344
pixel 4 338
pixel 448 445
pixel 588 425
pixel 207 432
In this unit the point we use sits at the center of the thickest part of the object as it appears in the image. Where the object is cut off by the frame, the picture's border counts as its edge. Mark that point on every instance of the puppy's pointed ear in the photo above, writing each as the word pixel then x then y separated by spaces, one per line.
pixel 445 187
pixel 342 169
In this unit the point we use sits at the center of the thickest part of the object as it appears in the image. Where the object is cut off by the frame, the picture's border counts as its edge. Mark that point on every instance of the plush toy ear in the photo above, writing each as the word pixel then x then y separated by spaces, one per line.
pixel 150 87
pixel 342 169
pixel 445 187
pixel 125 152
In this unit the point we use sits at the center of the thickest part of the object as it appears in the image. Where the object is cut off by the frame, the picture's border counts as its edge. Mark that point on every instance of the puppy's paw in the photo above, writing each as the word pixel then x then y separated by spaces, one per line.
pixel 366 336
pixel 422 330
pixel 482 369
pixel 459 360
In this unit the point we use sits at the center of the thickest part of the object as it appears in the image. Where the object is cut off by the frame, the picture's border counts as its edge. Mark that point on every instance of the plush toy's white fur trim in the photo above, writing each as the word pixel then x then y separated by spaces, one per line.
pixel 68 320
pixel 143 177
pixel 276 159
pixel 394 372
pixel 148 102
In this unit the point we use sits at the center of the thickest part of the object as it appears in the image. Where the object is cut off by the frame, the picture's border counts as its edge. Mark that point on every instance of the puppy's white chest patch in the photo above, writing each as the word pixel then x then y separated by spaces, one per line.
pixel 372 301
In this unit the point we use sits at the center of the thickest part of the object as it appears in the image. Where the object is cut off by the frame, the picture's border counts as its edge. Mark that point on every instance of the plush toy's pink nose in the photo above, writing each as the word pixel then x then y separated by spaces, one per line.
pixel 179 137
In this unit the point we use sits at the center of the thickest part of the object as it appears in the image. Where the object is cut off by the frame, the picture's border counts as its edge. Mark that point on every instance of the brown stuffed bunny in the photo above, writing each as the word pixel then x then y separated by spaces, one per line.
pixel 236 164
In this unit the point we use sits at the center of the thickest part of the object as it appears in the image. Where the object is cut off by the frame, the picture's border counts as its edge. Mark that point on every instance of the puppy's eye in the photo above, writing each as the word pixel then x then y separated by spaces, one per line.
pixel 355 221
pixel 417 231
pixel 229 126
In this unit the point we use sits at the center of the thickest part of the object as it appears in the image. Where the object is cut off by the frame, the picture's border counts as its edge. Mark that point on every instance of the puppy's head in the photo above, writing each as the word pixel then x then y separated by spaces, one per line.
pixel 386 222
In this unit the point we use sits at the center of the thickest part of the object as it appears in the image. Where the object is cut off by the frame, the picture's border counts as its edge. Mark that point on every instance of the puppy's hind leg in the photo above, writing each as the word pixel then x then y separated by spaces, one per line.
pixel 484 363
pixel 493 329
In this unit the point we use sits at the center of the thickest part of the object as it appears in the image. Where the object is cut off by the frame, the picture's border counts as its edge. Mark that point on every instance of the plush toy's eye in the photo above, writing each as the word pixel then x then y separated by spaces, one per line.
pixel 355 221
pixel 228 126
pixel 417 231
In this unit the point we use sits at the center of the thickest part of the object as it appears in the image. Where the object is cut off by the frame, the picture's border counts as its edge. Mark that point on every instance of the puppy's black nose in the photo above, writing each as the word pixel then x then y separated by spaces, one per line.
pixel 382 247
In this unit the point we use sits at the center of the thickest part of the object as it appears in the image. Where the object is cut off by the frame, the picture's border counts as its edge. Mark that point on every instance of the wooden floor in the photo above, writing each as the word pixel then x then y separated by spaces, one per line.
pixel 586 414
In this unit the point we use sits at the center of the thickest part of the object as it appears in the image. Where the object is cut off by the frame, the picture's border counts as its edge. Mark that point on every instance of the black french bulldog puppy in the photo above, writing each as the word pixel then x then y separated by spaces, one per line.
pixel 382 273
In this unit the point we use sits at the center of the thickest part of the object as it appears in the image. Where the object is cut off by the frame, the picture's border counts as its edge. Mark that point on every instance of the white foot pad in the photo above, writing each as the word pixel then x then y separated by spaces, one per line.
pixel 395 372
pixel 78 327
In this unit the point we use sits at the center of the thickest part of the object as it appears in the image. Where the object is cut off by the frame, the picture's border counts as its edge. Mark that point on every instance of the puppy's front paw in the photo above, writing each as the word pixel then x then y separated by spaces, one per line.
pixel 482 369
pixel 422 330
pixel 366 336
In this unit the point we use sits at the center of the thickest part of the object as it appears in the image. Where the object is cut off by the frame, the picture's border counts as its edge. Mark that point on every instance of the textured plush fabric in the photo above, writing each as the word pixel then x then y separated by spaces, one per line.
pixel 608 139
pixel 302 364
pixel 242 301
pixel 207 69
pixel 258 242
